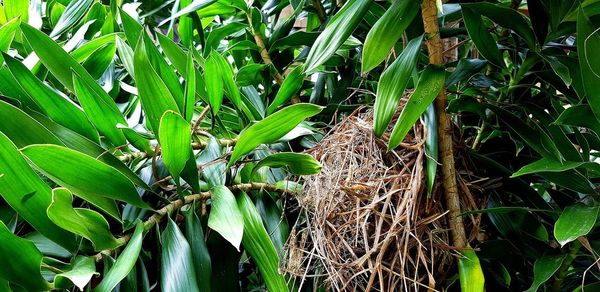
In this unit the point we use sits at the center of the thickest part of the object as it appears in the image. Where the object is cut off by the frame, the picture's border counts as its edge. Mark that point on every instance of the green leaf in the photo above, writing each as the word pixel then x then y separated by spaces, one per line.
pixel 82 269
pixel 7 34
pixel 233 92
pixel 575 221
pixel 579 116
pixel 97 63
pixel 177 264
pixel 22 129
pixel 481 37
pixel 543 269
pixel 124 263
pixel 84 222
pixel 386 32
pixel 588 41
pixel 258 244
pixel 225 216
pixel 58 62
pixel 16 8
pixel 201 258
pixel 339 28
pixel 548 165
pixel 250 74
pixel 100 109
pixel 296 163
pixel 272 128
pixel 190 88
pixel 175 141
pixel 21 261
pixel 431 146
pixel 72 14
pixel 428 87
pixel 194 6
pixel 133 30
pixel 292 83
pixel 82 173
pixel 59 108
pixel 469 270
pixel 27 194
pixel 154 94
pixel 213 82
pixel 214 174
pixel 506 17
pixel 391 86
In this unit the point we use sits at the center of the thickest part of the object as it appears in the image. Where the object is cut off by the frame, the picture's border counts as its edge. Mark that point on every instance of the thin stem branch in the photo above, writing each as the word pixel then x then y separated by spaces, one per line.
pixel 178 204
pixel 434 47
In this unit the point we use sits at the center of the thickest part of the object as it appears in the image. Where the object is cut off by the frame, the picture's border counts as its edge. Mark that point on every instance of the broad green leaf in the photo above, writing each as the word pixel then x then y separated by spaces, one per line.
pixel 58 108
pixel 99 61
pixel 201 258
pixel 431 146
pixel 133 30
pixel 72 14
pixel 155 96
pixel 21 261
pixel 391 86
pixel 428 87
pixel 177 264
pixel 16 8
pixel 543 269
pixel 54 57
pixel 258 244
pixel 193 6
pixel 579 116
pixel 186 26
pixel 225 216
pixel 82 269
pixel 100 109
pixel 250 74
pixel 7 34
pixel 550 165
pixel 190 88
pixel 84 222
pixel 469 270
pixel 233 93
pixel 290 86
pixel 588 41
pixel 481 37
pixel 27 193
pixel 84 145
pixel 465 69
pixel 575 221
pixel 296 163
pixel 506 17
pixel 175 141
pixel 174 53
pixel 272 128
pixel 126 56
pixel 338 29
pixel 213 82
pixel 386 32
pixel 22 129
pixel 124 263
pixel 82 173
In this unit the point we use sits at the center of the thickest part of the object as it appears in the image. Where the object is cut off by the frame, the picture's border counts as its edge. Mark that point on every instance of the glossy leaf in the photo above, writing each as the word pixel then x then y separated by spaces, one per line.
pixel 125 262
pixel 338 29
pixel 175 141
pixel 549 165
pixel 72 14
pixel 83 222
pixel 23 269
pixel 470 272
pixel 480 36
pixel 272 128
pixel 391 86
pixel 177 263
pixel 258 244
pixel 190 88
pixel 588 40
pixel 201 258
pixel 575 221
pixel 81 272
pixel 431 146
pixel 81 174
pixel 428 87
pixel 386 32
pixel 296 163
pixel 225 216
pixel 27 194
pixel 290 86
pixel 213 82
pixel 23 130
pixel 543 270
pixel 57 107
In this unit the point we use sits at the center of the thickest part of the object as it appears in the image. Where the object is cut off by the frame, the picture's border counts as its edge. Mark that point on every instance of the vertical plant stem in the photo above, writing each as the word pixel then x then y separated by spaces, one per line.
pixel 435 49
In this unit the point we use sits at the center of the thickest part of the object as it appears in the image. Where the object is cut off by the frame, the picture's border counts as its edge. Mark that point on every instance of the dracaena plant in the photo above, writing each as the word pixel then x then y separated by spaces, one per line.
pixel 152 144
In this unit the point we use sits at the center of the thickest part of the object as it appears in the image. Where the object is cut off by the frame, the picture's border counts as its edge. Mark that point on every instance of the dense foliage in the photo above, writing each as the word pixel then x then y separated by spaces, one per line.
pixel 152 145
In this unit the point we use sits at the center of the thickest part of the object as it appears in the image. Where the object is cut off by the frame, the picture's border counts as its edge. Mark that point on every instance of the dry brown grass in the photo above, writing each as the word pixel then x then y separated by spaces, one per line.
pixel 366 223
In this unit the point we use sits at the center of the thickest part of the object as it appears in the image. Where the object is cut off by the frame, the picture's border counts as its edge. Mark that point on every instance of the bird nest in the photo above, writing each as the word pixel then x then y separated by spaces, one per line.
pixel 366 222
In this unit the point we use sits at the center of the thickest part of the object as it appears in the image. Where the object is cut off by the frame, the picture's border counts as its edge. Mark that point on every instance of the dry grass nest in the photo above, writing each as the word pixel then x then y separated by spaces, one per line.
pixel 366 222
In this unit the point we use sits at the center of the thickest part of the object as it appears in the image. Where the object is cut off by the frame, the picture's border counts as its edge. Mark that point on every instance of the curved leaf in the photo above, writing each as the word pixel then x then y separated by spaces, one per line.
pixel 575 221
pixel 225 216
pixel 201 258
pixel 543 269
pixel 213 82
pixel 22 129
pixel 292 83
pixel 272 128
pixel 177 264
pixel 471 275
pixel 72 14
pixel 81 272
pixel 481 37
pixel 297 163
pixel 176 142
